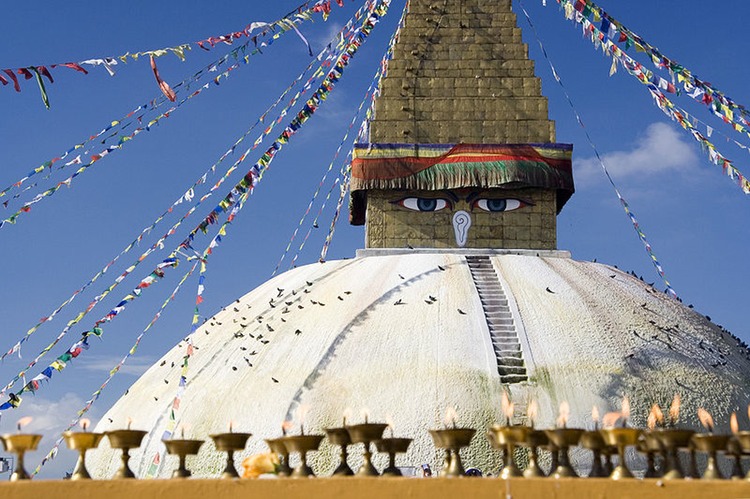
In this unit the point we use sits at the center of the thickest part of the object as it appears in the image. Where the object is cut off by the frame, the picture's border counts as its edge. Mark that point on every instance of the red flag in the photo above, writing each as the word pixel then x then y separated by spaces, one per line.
pixel 12 76
pixel 163 86
pixel 73 65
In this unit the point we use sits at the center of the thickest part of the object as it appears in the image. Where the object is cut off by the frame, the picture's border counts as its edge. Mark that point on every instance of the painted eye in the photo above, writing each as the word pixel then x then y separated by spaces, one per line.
pixel 423 204
pixel 498 205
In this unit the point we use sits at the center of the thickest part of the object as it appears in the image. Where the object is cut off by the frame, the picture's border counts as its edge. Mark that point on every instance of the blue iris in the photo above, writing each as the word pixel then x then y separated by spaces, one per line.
pixel 426 204
pixel 497 205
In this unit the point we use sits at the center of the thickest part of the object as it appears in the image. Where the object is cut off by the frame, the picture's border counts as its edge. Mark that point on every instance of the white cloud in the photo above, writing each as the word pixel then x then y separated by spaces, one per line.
pixel 660 149
pixel 50 418
pixel 135 366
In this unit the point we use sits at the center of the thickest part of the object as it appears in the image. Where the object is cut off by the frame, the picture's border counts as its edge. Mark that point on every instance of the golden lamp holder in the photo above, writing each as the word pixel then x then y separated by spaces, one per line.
pixel 82 442
pixel 510 437
pixel 366 433
pixel 564 439
pixel 182 448
pixel 621 438
pixel 392 446
pixel 453 440
pixel 230 443
pixel 340 437
pixel 711 444
pixel 734 452
pixel 278 447
pixel 125 440
pixel 672 441
pixel 19 444
pixel 593 441
pixel 302 444
pixel 650 445
pixel 534 440
pixel 743 438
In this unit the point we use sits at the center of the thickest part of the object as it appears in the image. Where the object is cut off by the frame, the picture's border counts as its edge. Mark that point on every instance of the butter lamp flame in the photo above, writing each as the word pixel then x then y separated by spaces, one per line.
pixel 706 419
pixel 532 412
pixel 625 411
pixel 734 424
pixel 595 417
pixel 23 422
pixel 85 423
pixel 450 417
pixel 563 415
pixel 674 410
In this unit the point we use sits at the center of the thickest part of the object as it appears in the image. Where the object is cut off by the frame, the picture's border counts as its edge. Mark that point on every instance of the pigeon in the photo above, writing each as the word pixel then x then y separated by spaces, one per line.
pixel 280 290
pixel 265 342
pixel 234 368
pixel 399 302
pixel 243 348
pixel 306 291
pixel 271 304
pixel 110 419
pixel 166 382
pixel 432 298
pixel 308 283
pixel 260 336
pixel 237 300
pixel 269 327
pixel 428 302
pixel 402 277
pixel 298 332
pixel 248 361
pixel 235 309
pixel 315 225
pixel 441 268
pixel 300 307
pixel 162 363
pixel 339 297
pixel 321 304
pixel 274 380
pixel 612 276
pixel 156 399
pixel 294 292
pixel 253 353
pixel 243 325
pixel 283 320
pixel 347 292
pixel 239 335
pixel 550 291
pixel 461 312
pixel 313 302
pixel 172 364
pixel 287 303
pixel 410 246
pixel 219 323
pixel 285 311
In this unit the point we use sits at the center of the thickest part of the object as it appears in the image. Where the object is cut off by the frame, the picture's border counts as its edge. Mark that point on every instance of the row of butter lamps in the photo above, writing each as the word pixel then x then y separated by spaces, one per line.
pixel 507 437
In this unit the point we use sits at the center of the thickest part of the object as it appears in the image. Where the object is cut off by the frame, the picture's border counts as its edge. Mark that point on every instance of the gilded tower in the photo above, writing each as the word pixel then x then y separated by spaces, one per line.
pixel 461 150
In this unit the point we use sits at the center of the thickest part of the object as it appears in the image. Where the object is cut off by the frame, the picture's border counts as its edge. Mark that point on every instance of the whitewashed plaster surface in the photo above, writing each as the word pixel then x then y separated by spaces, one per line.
pixel 357 348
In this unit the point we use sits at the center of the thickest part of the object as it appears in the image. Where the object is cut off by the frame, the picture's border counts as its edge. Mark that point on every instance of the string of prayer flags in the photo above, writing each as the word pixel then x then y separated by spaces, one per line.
pixel 611 32
pixel 241 191
pixel 626 207
pixel 362 133
pixel 187 196
pixel 301 14
pixel 657 87
pixel 112 372
pixel 78 347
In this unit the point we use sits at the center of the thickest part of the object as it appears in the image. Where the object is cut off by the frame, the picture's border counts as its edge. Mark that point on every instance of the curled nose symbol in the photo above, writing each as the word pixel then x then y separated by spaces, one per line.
pixel 461 224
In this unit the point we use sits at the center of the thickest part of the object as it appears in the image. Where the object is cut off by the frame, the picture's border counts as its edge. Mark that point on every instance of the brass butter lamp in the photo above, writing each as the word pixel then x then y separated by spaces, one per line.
pixel 302 444
pixel 366 433
pixel 125 440
pixel 453 440
pixel 621 438
pixel 392 446
pixel 82 441
pixel 182 448
pixel 593 441
pixel 278 447
pixel 535 439
pixel 19 444
pixel 510 437
pixel 340 437
pixel 230 443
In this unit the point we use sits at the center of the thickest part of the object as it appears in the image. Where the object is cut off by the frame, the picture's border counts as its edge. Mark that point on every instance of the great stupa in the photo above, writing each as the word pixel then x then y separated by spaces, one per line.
pixel 460 294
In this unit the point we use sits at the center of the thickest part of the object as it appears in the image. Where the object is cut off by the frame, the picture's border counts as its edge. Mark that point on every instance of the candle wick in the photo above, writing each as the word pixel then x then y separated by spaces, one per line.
pixel 344 424
pixel 302 428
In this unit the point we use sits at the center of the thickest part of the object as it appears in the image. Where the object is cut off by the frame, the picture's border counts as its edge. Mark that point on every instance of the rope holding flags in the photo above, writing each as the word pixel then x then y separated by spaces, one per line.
pixel 189 194
pixel 232 202
pixel 657 86
pixel 626 207
pixel 302 13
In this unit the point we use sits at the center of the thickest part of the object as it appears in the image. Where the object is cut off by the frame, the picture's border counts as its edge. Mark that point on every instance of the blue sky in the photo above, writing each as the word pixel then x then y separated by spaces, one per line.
pixel 691 213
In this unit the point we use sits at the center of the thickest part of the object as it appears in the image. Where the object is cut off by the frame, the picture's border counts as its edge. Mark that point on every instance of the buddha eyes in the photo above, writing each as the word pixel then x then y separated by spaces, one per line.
pixel 424 204
pixel 492 205
pixel 498 205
